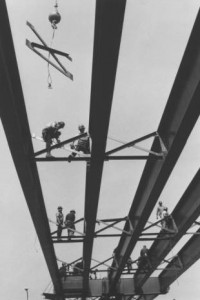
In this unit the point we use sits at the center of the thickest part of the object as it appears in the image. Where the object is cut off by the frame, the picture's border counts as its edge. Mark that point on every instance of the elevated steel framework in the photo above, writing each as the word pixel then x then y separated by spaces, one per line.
pixel 15 123
pixel 180 115
pixel 107 37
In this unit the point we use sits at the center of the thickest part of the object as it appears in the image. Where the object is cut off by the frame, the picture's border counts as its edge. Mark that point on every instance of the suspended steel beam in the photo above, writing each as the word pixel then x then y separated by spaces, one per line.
pixel 29 44
pixel 107 37
pixel 16 127
pixel 51 50
pixel 185 213
pixel 177 122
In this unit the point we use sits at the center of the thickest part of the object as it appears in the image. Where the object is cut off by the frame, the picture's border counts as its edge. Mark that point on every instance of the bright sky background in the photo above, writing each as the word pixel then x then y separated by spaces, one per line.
pixel 154 38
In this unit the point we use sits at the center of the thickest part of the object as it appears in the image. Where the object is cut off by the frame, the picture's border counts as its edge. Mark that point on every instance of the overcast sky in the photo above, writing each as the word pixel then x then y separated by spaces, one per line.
pixel 154 38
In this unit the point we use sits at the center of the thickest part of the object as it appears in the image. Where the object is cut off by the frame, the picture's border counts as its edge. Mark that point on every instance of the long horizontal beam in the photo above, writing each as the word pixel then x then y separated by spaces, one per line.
pixel 177 122
pixel 15 123
pixel 87 158
pixel 107 37
pixel 73 286
pixel 184 215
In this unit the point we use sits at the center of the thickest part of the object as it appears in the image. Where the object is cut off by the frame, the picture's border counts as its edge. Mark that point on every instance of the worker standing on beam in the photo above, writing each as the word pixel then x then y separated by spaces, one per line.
pixel 129 264
pixel 160 209
pixel 59 222
pixel 144 260
pixel 63 271
pixel 69 222
pixel 51 132
pixel 168 223
pixel 82 145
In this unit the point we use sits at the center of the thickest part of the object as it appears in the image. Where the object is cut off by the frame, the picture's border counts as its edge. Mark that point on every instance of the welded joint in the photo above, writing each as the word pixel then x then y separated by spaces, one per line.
pixel 130 225
pixel 162 145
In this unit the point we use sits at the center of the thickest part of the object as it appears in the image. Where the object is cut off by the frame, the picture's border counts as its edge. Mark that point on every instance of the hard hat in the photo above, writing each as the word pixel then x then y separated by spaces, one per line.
pixel 61 124
pixel 81 127
pixel 72 211
pixel 59 207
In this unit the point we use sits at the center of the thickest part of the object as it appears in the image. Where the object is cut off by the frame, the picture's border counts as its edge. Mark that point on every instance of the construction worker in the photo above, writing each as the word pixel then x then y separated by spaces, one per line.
pixel 59 222
pixel 82 145
pixel 168 223
pixel 51 132
pixel 63 271
pixel 129 264
pixel 144 260
pixel 69 222
pixel 160 209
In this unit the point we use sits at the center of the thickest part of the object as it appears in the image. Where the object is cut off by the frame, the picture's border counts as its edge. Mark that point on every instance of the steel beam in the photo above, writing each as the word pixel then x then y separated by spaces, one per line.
pixel 61 144
pixel 185 213
pixel 179 117
pixel 107 37
pixel 188 255
pixel 15 123
pixel 130 144
pixel 73 286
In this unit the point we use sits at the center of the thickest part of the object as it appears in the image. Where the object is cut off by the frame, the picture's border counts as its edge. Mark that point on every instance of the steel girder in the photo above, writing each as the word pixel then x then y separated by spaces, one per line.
pixel 188 255
pixel 177 122
pixel 184 215
pixel 107 37
pixel 15 123
pixel 72 286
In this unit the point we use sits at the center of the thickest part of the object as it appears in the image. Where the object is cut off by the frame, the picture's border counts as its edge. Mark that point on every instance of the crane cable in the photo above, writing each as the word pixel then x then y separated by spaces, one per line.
pixel 49 78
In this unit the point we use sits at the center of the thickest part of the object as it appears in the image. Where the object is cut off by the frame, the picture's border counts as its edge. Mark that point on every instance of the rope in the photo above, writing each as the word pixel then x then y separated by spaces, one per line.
pixel 49 78
pixel 48 287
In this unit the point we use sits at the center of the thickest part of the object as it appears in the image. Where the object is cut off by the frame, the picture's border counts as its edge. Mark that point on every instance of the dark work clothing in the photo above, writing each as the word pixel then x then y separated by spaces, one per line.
pixel 144 252
pixel 83 145
pixel 69 223
pixel 144 260
pixel 63 272
pixel 59 223
pixel 50 133
pixel 129 264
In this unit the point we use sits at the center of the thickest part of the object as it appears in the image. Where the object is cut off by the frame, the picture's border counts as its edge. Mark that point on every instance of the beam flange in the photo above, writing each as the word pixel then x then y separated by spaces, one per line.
pixel 180 115
pixel 107 37
pixel 185 213
pixel 15 123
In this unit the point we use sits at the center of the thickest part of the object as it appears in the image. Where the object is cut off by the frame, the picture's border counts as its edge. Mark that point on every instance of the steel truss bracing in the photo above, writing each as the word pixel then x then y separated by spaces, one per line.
pixel 188 255
pixel 178 120
pixel 184 214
